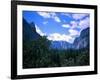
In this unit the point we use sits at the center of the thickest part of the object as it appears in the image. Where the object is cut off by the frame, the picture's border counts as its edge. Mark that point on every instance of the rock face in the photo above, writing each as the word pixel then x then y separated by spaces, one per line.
pixel 83 40
pixel 80 42
pixel 60 45
pixel 29 31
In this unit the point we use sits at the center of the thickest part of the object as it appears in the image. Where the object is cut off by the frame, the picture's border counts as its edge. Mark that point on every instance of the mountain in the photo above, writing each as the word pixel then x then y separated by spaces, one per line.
pixel 60 45
pixel 80 42
pixel 29 31
pixel 83 40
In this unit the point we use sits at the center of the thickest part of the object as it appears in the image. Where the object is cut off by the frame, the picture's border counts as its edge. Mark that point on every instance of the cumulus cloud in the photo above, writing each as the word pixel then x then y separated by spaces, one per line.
pixel 56 19
pixel 84 23
pixel 44 14
pixel 66 26
pixel 74 32
pixel 54 16
pixel 79 16
pixel 51 15
pixel 74 24
pixel 59 37
pixel 75 16
pixel 80 21
pixel 39 31
pixel 67 14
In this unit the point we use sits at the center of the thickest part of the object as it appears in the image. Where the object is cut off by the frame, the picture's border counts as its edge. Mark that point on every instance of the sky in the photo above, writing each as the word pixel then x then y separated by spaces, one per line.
pixel 58 26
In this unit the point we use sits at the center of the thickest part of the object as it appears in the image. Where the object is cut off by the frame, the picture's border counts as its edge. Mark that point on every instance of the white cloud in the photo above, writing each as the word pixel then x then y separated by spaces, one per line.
pixel 84 23
pixel 66 26
pixel 51 15
pixel 67 14
pixel 75 16
pixel 74 24
pixel 56 19
pixel 39 31
pixel 74 32
pixel 59 37
pixel 44 14
pixel 79 16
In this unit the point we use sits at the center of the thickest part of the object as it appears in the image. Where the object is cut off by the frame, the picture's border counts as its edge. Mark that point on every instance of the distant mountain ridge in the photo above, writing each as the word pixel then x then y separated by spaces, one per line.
pixel 60 45
pixel 80 42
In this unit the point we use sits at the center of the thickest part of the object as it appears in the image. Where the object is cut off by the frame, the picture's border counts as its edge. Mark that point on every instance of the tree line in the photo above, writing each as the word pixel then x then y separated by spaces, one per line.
pixel 38 54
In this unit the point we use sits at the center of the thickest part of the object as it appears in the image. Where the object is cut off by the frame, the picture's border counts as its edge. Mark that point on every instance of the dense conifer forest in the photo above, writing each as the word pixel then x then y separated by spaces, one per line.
pixel 38 54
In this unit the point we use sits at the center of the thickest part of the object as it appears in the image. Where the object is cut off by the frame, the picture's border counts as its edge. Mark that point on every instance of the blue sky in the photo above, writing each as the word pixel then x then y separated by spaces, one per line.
pixel 58 26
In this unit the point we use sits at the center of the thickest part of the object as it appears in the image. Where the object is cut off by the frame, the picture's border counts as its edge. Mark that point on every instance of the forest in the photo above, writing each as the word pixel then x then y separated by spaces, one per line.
pixel 38 54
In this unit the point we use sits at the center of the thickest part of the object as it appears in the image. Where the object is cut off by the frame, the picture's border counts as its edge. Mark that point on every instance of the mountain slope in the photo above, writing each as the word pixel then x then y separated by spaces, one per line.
pixel 83 40
pixel 29 31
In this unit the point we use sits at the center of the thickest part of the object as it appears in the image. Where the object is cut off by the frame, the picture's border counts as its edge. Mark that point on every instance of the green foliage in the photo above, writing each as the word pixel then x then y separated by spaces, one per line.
pixel 36 54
